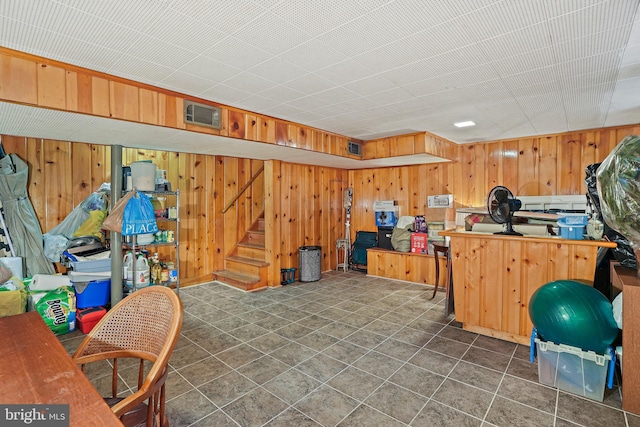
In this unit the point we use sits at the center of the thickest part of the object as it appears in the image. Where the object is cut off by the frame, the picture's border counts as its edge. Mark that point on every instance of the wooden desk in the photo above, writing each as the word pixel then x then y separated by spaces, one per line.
pixel 36 369
pixel 494 277
pixel 626 279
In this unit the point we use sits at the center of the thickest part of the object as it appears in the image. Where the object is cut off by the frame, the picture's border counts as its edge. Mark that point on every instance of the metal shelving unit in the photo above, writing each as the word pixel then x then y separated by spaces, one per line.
pixel 134 245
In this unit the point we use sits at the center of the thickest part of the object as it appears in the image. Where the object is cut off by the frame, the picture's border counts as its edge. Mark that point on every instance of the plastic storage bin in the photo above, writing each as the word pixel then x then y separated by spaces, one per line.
pixel 571 369
pixel 310 260
pixel 87 318
pixel 572 226
pixel 92 266
pixel 92 294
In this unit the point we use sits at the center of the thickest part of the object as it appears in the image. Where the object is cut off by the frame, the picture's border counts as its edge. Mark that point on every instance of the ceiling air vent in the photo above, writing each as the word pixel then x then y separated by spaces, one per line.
pixel 354 148
pixel 202 115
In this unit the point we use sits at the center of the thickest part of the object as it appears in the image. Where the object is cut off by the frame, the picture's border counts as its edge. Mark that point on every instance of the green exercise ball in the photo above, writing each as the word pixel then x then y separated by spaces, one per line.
pixel 575 314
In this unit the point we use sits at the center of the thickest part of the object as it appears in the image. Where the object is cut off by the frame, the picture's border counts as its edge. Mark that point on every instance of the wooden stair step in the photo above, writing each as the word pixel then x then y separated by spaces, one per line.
pixel 250 261
pixel 239 280
pixel 251 245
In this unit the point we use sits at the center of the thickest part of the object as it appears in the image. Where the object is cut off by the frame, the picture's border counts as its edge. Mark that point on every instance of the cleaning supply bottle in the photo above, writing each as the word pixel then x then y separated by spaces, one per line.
pixel 127 269
pixel 142 271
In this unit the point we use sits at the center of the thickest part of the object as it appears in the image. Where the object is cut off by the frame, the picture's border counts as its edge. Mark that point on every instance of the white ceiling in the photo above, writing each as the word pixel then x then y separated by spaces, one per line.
pixel 361 68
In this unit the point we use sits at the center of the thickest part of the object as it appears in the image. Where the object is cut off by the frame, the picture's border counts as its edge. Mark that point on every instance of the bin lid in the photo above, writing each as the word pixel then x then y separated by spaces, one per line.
pixel 310 248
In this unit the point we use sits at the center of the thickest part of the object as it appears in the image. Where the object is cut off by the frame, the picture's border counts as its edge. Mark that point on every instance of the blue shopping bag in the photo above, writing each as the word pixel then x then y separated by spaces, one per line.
pixel 139 216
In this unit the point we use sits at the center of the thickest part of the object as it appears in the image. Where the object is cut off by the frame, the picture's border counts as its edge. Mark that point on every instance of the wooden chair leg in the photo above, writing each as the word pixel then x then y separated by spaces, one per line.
pixel 435 288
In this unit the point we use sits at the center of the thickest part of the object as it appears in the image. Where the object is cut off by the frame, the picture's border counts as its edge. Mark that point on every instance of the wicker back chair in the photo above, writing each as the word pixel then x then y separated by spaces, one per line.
pixel 145 326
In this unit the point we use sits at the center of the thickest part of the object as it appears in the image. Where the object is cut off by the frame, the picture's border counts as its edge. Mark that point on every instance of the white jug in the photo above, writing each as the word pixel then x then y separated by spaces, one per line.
pixel 127 269
pixel 142 272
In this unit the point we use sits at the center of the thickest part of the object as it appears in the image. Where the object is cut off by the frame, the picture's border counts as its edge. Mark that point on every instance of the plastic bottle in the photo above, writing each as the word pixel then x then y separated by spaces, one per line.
pixel 127 266
pixel 142 272
pixel 156 270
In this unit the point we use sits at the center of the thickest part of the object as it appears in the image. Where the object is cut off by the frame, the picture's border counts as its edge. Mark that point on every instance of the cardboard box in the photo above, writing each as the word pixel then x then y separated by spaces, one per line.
pixel 419 243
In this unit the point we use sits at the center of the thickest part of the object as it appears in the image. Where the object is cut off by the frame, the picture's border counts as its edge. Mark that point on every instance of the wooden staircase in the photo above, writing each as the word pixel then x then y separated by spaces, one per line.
pixel 245 266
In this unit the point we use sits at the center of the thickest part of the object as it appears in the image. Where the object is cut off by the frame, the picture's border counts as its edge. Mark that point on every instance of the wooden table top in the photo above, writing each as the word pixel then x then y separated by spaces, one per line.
pixel 36 369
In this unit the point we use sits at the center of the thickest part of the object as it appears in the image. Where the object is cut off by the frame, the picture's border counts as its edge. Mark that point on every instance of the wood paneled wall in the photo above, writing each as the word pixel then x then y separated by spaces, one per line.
pixel 63 174
pixel 304 208
pixel 545 165
pixel 33 80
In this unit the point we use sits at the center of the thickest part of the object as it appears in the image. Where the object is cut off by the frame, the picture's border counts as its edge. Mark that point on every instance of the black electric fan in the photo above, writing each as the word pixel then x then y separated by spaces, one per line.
pixel 502 205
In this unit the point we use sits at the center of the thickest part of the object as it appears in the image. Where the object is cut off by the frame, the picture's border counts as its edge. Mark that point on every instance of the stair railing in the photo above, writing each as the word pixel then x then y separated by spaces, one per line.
pixel 243 189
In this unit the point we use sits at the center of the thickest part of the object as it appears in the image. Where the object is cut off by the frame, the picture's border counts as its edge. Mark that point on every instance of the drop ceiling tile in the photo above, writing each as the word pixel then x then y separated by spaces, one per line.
pixel 337 95
pixel 257 103
pixel 629 71
pixel 312 55
pixel 589 64
pixel 308 103
pixel 318 17
pixel 310 83
pixel 209 69
pixel 305 117
pixel 388 57
pixel 596 44
pixel 390 96
pixel 531 78
pixel 226 16
pixel 283 111
pixel 344 72
pixel 154 50
pixel 226 95
pixel 135 15
pixel 281 93
pixel 517 43
pixel 139 70
pixel 540 88
pixel 272 34
pixel 586 80
pixel 184 31
pixel 236 53
pixel 369 85
pixel 249 82
pixel 277 70
pixel 77 52
pixel 524 62
pixel 592 20
pixel 443 38
pixel 505 17
pixel 186 83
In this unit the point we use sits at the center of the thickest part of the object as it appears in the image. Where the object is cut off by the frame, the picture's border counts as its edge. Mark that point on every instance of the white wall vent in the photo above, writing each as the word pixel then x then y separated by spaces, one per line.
pixel 354 148
pixel 202 115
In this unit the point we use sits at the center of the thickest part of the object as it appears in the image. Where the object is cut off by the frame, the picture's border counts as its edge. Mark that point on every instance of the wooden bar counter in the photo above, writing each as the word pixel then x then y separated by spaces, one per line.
pixel 494 277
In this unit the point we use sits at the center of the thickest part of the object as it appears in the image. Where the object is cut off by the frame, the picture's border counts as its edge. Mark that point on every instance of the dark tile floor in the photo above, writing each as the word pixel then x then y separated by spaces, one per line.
pixel 351 350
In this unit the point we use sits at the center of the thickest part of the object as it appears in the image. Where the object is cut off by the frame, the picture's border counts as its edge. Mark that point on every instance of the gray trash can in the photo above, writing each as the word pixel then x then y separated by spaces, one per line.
pixel 309 263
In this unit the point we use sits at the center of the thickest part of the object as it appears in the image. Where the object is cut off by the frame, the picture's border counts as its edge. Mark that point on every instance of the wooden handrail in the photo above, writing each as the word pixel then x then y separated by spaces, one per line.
pixel 243 189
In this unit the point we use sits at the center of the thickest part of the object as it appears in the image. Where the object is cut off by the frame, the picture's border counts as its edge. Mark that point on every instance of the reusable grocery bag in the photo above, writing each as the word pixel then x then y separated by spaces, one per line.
pixel 132 215
pixel 139 216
